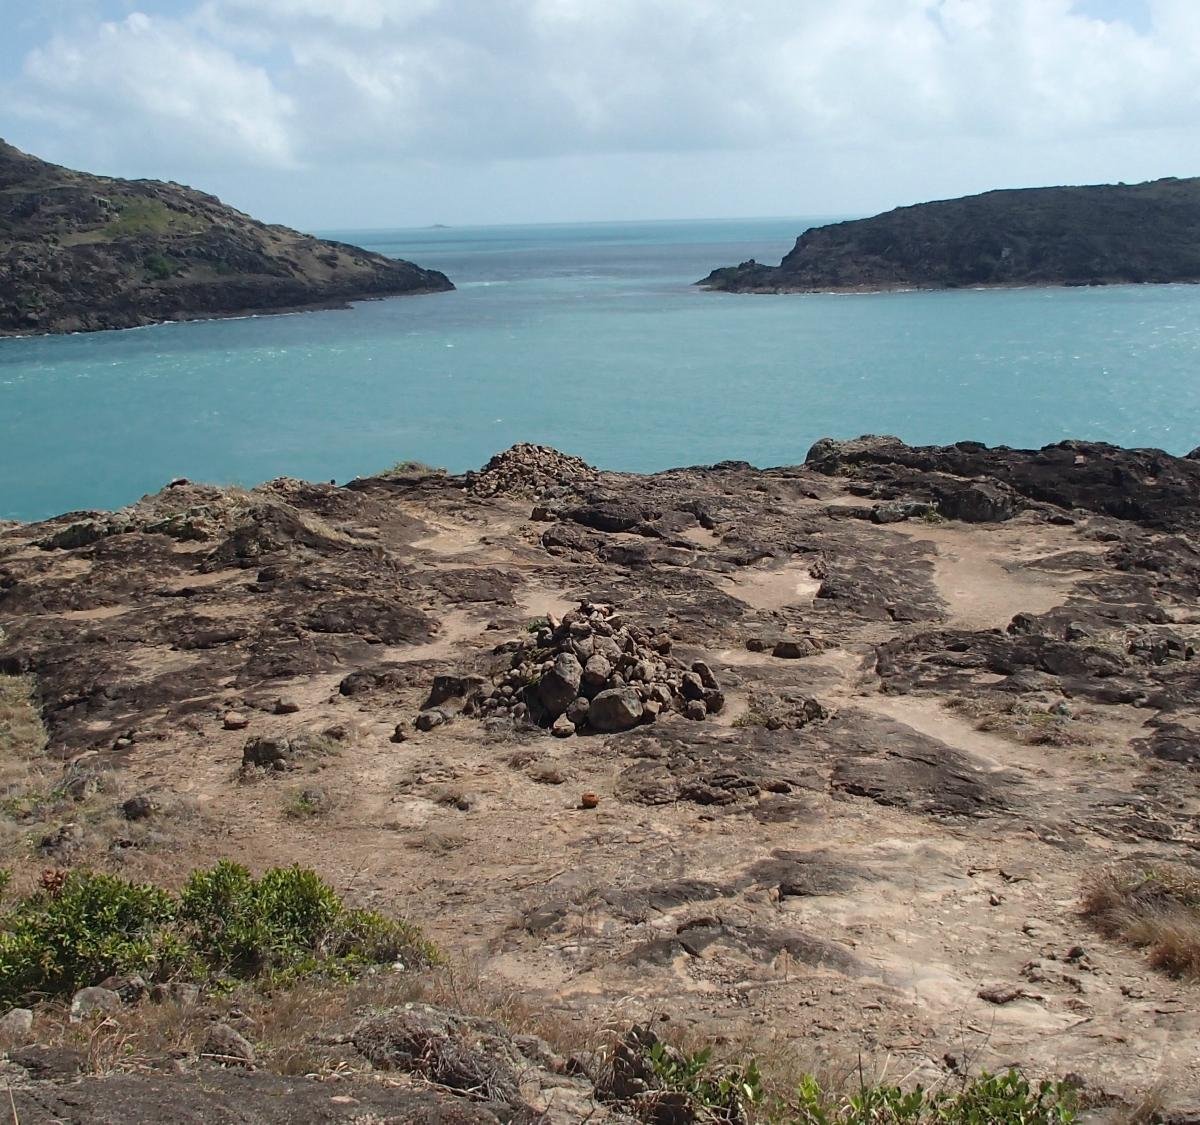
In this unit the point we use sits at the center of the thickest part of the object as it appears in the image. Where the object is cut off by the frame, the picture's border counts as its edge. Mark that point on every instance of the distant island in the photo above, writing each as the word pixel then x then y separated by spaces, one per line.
pixel 1106 234
pixel 80 253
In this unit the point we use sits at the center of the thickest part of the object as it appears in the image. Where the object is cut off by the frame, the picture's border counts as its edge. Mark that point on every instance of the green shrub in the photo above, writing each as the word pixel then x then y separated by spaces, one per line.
pixel 57 941
pixel 224 924
pixel 723 1093
pixel 989 1099
pixel 159 267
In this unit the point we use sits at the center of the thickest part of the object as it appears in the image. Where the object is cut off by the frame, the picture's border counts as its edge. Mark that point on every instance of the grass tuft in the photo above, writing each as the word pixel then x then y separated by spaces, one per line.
pixel 1155 907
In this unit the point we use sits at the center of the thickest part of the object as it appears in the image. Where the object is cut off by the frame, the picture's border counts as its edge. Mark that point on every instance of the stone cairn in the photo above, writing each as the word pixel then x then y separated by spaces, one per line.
pixel 530 470
pixel 592 671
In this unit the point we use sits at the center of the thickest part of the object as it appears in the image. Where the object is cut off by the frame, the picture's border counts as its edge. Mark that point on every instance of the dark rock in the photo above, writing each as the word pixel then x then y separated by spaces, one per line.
pixel 130 987
pixel 227 1045
pixel 90 1001
pixel 140 807
pixel 559 687
pixel 16 1026
pixel 427 720
pixel 615 709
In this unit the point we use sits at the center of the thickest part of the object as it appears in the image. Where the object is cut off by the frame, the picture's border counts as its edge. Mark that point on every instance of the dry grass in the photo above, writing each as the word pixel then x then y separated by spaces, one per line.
pixel 1023 721
pixel 22 738
pixel 1152 907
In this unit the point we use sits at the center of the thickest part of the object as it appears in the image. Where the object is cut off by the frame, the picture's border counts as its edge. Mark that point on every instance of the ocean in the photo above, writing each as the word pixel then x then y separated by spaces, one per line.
pixel 590 338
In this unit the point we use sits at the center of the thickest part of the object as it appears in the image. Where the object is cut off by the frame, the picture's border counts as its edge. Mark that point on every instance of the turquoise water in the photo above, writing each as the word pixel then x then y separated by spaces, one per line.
pixel 592 339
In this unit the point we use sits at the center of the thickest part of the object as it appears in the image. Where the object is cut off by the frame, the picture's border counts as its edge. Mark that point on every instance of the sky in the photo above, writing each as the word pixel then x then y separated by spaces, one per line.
pixel 353 114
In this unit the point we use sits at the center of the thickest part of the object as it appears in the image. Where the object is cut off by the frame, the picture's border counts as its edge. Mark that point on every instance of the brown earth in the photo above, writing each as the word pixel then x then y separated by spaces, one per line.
pixel 1003 706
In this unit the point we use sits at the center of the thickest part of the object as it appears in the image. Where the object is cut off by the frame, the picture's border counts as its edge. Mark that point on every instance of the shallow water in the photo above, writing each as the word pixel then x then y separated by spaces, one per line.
pixel 590 338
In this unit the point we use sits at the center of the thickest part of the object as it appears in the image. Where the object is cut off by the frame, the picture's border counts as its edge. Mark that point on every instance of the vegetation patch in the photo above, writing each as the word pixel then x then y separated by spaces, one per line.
pixel 224 926
pixel 138 215
pixel 1032 723
pixel 693 1086
pixel 1155 907
pixel 412 469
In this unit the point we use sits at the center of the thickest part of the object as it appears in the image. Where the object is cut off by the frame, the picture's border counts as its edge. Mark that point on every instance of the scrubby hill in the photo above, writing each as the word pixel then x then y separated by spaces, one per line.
pixel 1032 236
pixel 81 252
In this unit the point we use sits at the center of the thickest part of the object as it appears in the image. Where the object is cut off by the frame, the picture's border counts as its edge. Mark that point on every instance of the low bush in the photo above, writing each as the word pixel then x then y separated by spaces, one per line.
pixel 989 1099
pixel 734 1093
pixel 224 925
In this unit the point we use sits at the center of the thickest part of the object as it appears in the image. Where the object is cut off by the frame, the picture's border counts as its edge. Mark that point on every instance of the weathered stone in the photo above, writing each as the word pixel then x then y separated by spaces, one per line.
pixel 795 648
pixel 16 1026
pixel 89 1001
pixel 226 1045
pixel 427 720
pixel 615 709
pixel 235 721
pixel 595 674
pixel 560 685
pixel 130 987
pixel 140 807
pixel 577 713
pixel 707 679
pixel 562 727
pixel 695 709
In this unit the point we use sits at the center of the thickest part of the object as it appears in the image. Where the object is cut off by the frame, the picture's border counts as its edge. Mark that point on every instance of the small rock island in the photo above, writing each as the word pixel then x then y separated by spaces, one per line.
pixel 80 253
pixel 1105 234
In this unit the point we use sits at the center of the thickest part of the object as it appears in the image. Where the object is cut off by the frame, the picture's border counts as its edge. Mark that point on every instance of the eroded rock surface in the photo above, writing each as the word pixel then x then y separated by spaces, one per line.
pixel 953 683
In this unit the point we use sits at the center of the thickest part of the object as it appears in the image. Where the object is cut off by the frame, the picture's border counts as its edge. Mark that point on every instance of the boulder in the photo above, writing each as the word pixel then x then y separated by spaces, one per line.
pixel 228 1046
pixel 140 807
pixel 559 686
pixel 89 1001
pixel 16 1026
pixel 615 709
pixel 596 674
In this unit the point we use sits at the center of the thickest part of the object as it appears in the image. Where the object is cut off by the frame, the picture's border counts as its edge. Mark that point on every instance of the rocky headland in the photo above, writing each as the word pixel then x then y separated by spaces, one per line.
pixel 80 253
pixel 825 759
pixel 1104 234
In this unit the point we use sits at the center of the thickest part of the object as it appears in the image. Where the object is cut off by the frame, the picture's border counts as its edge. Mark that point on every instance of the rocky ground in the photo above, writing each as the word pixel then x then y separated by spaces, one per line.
pixel 819 757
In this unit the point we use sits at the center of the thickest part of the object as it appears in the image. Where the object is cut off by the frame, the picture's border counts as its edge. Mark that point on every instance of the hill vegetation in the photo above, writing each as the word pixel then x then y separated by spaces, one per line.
pixel 1097 235
pixel 81 252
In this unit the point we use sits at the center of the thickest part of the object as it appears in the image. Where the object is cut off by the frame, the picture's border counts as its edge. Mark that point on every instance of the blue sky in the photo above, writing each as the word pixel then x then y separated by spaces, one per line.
pixel 355 113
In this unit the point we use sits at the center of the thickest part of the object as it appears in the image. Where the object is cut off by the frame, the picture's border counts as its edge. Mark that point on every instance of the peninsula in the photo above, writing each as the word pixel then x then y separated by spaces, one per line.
pixel 1100 235
pixel 80 253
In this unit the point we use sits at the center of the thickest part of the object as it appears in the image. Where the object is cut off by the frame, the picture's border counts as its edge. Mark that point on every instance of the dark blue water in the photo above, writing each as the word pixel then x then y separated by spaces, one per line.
pixel 590 338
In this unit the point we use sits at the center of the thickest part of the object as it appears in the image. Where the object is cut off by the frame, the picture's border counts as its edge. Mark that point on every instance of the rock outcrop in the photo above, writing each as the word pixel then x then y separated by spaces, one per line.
pixel 1096 235
pixel 942 687
pixel 80 253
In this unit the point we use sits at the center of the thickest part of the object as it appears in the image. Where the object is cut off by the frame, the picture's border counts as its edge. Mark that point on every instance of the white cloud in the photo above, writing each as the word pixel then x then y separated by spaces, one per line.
pixel 394 83
pixel 151 85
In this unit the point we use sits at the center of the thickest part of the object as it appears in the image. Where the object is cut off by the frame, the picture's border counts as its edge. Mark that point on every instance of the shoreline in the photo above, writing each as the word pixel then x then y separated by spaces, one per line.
pixel 332 305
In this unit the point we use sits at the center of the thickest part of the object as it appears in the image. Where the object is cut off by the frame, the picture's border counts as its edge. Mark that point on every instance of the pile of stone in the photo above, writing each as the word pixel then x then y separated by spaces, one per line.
pixel 592 671
pixel 530 470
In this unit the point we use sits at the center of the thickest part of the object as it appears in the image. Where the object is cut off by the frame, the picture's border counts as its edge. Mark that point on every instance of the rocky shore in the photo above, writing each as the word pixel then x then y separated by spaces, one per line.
pixel 840 748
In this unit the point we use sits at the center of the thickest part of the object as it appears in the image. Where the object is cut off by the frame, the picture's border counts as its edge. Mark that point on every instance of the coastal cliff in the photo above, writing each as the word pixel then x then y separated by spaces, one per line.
pixel 80 253
pixel 1106 234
